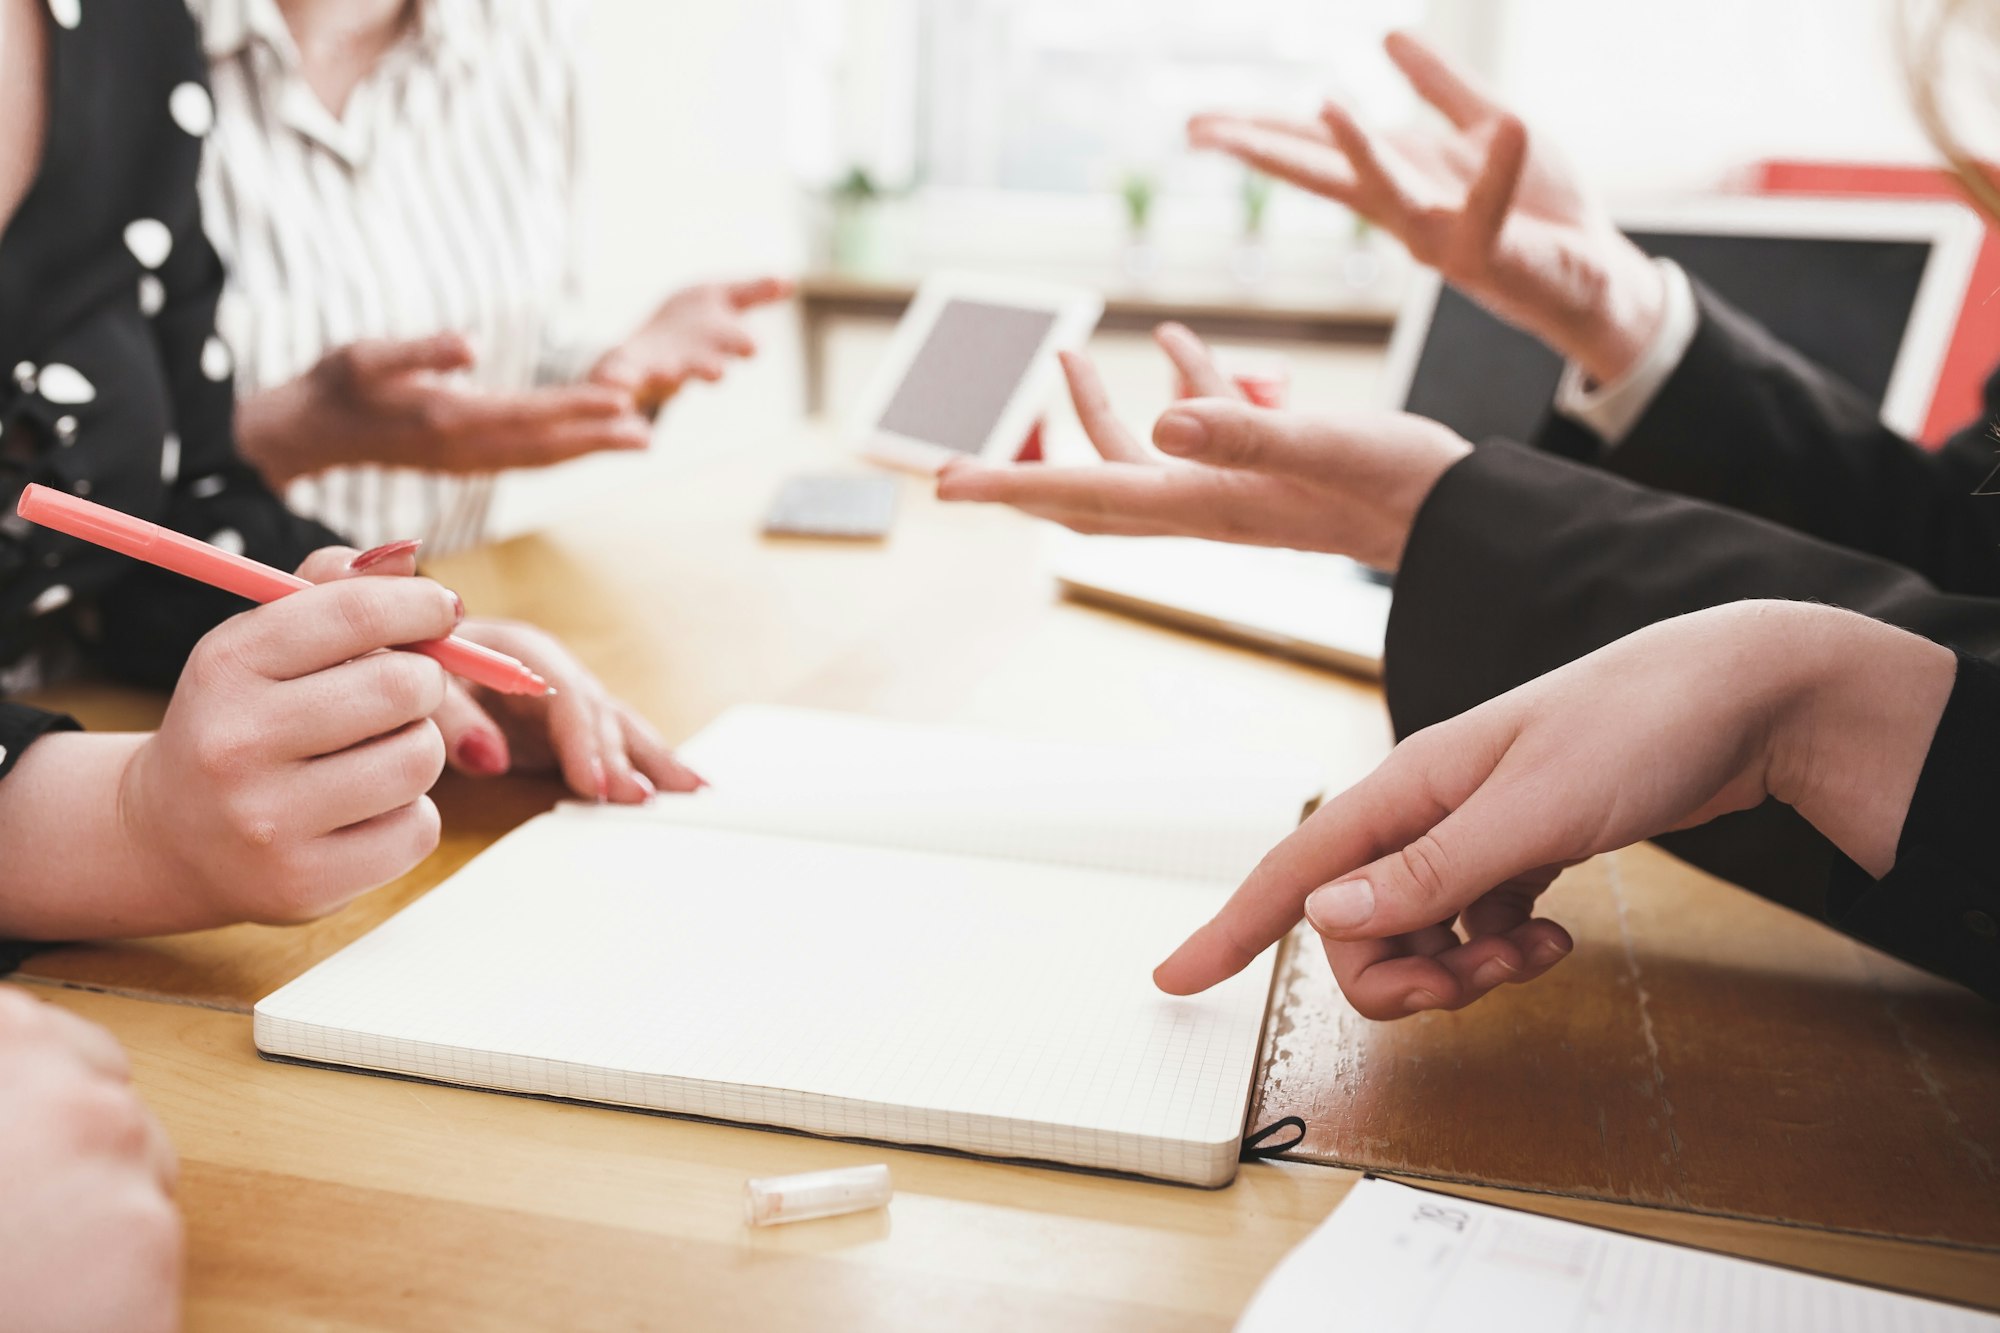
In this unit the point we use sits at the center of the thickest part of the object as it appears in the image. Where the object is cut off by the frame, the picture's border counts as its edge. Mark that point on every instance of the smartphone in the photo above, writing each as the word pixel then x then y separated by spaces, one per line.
pixel 844 506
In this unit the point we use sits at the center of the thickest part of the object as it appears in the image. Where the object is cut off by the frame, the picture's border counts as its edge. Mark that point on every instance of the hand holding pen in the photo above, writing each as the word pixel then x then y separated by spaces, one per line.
pixel 291 771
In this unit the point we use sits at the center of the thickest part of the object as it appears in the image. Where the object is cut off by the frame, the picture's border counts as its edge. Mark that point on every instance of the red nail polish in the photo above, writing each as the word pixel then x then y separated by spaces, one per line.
pixel 483 753
pixel 371 558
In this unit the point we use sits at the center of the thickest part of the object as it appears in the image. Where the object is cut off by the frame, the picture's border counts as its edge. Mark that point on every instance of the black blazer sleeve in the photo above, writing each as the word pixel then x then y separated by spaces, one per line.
pixel 1748 422
pixel 1936 907
pixel 1520 562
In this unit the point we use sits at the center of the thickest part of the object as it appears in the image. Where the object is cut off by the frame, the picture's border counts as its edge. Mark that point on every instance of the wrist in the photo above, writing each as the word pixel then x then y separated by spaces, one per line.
pixel 1850 738
pixel 75 868
pixel 271 432
pixel 143 835
pixel 1622 315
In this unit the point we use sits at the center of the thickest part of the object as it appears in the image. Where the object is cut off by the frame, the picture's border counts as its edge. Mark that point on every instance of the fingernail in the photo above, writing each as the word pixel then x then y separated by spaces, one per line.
pixel 1492 972
pixel 600 780
pixel 370 558
pixel 457 608
pixel 645 784
pixel 1341 907
pixel 483 753
pixel 1180 432
pixel 1421 999
pixel 1547 952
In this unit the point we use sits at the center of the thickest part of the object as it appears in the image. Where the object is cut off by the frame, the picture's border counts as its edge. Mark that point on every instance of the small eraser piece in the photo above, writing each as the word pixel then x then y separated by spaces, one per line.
pixel 771 1200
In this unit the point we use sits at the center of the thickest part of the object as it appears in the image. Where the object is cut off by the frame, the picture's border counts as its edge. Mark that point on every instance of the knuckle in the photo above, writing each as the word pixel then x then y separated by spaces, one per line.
pixel 1427 868
pixel 364 610
pixel 103 1118
pixel 426 827
pixel 147 1229
pixel 412 684
pixel 418 759
pixel 1375 1008
pixel 219 659
pixel 223 755
pixel 248 816
pixel 295 891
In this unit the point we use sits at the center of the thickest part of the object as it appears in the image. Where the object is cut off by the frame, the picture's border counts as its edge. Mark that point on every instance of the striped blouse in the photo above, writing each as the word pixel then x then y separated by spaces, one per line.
pixel 440 200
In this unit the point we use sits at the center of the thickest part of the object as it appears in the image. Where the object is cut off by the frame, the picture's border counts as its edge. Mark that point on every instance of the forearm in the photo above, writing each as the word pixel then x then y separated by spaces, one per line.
pixel 71 867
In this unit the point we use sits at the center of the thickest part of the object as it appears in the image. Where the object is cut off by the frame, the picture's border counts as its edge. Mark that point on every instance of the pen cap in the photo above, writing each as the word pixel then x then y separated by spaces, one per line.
pixel 79 518
pixel 852 1189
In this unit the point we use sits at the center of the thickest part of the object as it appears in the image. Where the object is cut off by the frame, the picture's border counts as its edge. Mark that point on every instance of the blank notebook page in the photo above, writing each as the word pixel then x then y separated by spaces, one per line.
pixel 989 1006
pixel 1177 811
pixel 1392 1259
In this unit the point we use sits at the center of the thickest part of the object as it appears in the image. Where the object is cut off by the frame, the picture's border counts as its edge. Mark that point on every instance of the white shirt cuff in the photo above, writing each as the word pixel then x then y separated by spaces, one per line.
pixel 1611 410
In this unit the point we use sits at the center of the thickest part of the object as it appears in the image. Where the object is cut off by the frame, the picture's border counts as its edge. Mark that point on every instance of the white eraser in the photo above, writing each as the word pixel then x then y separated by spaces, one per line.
pixel 852 1189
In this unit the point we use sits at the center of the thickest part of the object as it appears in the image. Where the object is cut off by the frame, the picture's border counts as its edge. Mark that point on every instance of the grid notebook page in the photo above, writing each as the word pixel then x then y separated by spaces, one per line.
pixel 1392 1259
pixel 1200 813
pixel 989 1006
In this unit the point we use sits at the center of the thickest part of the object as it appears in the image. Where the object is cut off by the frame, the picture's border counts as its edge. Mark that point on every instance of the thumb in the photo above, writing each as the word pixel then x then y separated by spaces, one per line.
pixel 473 742
pixel 1494 836
pixel 381 358
pixel 1230 433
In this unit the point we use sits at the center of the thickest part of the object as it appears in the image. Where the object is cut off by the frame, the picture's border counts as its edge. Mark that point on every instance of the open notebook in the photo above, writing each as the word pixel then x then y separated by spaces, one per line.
pixel 865 929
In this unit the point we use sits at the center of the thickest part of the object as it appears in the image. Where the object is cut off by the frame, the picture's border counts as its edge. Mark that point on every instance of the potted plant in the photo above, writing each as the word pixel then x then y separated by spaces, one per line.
pixel 857 241
pixel 1252 259
pixel 1138 191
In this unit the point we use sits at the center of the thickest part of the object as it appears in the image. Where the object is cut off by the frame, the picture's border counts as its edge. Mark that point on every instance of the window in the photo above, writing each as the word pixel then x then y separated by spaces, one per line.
pixel 1072 96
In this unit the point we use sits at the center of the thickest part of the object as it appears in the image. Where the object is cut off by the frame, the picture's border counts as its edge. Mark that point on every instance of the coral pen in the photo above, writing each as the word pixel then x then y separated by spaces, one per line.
pixel 218 568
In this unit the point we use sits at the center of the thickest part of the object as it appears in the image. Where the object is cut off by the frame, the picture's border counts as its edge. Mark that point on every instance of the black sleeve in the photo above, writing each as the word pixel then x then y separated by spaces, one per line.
pixel 20 727
pixel 152 619
pixel 1748 422
pixel 1940 906
pixel 1520 562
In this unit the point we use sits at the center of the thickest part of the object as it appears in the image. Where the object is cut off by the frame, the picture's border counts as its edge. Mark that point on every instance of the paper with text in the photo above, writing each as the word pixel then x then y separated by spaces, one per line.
pixel 1392 1259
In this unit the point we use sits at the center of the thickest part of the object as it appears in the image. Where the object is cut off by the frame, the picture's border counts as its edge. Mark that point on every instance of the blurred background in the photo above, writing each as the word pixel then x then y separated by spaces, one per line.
pixel 861 143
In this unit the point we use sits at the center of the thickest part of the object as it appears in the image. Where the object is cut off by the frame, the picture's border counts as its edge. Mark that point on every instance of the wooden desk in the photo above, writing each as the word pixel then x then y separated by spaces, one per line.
pixel 1279 314
pixel 333 1201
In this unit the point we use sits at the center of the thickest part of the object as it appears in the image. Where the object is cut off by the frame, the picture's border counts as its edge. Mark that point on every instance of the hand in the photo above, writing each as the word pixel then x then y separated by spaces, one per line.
pixel 1495 212
pixel 393 403
pixel 290 773
pixel 603 749
pixel 89 1238
pixel 692 336
pixel 1422 878
pixel 1350 485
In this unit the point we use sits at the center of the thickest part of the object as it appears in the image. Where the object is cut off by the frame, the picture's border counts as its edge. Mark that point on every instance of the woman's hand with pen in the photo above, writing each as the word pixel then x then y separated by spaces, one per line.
pixel 1422 878
pixel 292 769
pixel 291 773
